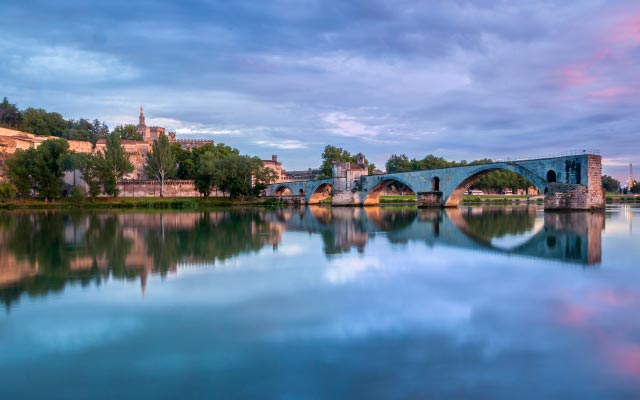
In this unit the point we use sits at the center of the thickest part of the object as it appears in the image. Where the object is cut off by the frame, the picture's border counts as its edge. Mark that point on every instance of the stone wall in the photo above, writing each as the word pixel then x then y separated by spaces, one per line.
pixel 172 188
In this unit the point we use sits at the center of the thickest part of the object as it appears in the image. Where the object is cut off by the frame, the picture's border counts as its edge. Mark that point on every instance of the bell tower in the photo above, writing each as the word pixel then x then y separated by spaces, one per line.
pixel 141 128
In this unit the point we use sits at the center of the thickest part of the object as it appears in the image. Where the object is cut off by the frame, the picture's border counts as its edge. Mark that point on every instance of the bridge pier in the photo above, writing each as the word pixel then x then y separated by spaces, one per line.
pixel 347 198
pixel 429 199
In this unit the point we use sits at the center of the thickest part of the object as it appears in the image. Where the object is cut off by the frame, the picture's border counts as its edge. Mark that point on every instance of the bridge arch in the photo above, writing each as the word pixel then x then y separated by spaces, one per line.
pixel 319 193
pixel 460 186
pixel 373 195
pixel 282 190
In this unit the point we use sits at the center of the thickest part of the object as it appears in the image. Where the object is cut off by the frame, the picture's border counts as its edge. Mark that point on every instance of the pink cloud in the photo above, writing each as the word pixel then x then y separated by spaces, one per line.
pixel 627 31
pixel 573 315
pixel 575 75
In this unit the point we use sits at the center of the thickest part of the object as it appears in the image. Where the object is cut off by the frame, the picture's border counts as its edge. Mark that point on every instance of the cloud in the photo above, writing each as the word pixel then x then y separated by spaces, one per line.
pixel 285 144
pixel 463 79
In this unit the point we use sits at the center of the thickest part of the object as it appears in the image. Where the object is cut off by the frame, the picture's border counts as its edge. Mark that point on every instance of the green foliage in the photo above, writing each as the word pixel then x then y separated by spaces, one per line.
pixel 77 195
pixel 202 161
pixel 50 164
pixel 40 169
pixel 89 167
pixel 205 174
pixel 635 189
pixel 10 116
pixel 42 123
pixel 241 176
pixel 127 132
pixel 21 171
pixel 161 161
pixel 338 154
pixel 7 191
pixel 610 184
pixel 399 163
pixel 113 164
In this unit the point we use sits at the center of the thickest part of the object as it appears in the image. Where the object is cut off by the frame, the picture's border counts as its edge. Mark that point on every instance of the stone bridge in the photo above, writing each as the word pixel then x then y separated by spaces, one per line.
pixel 571 182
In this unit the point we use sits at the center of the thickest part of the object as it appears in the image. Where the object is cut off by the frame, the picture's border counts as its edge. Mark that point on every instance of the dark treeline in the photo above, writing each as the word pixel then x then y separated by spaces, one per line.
pixel 494 181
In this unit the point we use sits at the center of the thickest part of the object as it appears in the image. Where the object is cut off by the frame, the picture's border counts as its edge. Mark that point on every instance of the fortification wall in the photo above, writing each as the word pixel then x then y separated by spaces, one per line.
pixel 172 188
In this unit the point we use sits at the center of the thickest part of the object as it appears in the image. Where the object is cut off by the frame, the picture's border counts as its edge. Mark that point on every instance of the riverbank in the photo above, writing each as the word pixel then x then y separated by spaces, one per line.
pixel 175 203
pixel 199 203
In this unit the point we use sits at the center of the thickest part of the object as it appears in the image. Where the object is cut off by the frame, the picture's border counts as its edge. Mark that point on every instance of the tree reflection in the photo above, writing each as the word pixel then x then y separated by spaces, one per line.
pixel 43 252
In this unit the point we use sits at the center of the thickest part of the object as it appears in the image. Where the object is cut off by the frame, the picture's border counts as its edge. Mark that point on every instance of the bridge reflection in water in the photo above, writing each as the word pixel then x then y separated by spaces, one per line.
pixel 572 237
pixel 43 252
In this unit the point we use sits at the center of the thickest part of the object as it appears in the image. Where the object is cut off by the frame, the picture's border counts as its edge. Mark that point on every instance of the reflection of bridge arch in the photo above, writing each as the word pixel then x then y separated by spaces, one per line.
pixel 373 195
pixel 462 185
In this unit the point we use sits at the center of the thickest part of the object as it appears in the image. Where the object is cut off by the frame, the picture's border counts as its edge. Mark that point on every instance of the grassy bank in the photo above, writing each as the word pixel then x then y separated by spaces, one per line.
pixel 177 203
pixel 621 198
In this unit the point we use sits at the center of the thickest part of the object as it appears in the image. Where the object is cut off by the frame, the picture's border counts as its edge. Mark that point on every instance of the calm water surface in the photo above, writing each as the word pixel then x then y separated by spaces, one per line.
pixel 320 303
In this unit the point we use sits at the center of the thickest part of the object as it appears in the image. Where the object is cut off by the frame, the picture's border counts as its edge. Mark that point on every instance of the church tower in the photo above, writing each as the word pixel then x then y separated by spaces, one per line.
pixel 142 126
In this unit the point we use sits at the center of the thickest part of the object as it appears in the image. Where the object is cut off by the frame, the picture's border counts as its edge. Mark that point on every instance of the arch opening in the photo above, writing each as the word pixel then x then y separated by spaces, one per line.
pixel 282 191
pixel 396 190
pixel 463 187
pixel 435 184
pixel 321 193
pixel 551 176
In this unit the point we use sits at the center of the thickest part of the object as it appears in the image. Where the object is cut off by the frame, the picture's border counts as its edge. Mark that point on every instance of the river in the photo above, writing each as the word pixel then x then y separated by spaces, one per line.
pixel 305 303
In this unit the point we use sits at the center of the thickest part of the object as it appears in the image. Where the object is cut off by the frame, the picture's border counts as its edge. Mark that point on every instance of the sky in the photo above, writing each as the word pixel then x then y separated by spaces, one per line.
pixel 459 79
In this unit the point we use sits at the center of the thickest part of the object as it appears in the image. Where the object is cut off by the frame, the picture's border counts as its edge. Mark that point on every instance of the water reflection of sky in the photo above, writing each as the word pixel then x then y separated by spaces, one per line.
pixel 398 320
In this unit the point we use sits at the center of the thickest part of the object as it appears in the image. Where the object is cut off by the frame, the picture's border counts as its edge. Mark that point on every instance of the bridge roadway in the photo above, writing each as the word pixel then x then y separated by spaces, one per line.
pixel 572 237
pixel 568 182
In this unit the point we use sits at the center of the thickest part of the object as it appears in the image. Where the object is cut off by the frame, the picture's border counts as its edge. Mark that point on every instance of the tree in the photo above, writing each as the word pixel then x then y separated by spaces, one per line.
pixel 610 184
pixel 635 189
pixel 205 174
pixel 202 160
pixel 89 167
pixel 241 175
pixel 127 132
pixel 43 123
pixel 399 163
pixel 99 130
pixel 7 191
pixel 113 164
pixel 161 162
pixel 21 171
pixel 50 160
pixel 10 116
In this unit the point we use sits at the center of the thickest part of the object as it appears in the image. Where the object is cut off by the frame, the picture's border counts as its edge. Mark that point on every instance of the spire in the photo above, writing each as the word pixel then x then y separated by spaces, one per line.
pixel 141 117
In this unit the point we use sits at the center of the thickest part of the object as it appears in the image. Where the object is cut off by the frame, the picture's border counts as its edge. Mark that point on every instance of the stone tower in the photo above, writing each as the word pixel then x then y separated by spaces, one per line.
pixel 141 128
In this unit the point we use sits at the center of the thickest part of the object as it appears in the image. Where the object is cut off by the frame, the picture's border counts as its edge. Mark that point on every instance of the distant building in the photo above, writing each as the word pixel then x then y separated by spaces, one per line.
pixel 148 133
pixel 151 133
pixel 304 175
pixel 274 165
